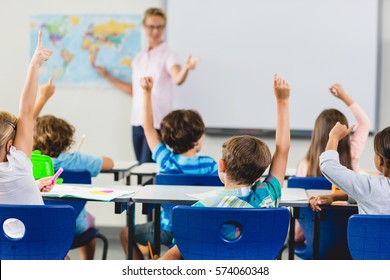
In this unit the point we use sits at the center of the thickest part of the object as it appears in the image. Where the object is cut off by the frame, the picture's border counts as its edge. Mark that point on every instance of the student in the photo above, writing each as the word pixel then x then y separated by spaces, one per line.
pixel 244 160
pixel 371 192
pixel 54 137
pixel 17 185
pixel 160 62
pixel 349 149
pixel 183 132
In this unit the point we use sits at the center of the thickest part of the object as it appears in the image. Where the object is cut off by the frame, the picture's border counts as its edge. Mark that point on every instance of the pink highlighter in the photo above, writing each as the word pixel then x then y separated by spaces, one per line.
pixel 58 173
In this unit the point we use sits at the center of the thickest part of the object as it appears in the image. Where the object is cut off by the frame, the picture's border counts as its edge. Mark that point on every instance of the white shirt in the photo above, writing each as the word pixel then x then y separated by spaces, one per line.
pixel 17 184
pixel 156 63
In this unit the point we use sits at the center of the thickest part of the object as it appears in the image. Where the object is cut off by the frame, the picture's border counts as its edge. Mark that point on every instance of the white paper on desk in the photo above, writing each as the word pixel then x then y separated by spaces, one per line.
pixel 203 195
pixel 92 193
pixel 293 194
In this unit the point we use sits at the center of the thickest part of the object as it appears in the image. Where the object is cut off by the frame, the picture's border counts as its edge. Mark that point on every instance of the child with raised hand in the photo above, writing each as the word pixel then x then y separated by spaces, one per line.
pixel 183 132
pixel 371 192
pixel 17 185
pixel 244 160
pixel 350 148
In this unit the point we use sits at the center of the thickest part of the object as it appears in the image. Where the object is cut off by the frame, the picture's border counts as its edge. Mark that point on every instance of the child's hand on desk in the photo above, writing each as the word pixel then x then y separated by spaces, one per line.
pixel 147 84
pixel 45 184
pixel 316 201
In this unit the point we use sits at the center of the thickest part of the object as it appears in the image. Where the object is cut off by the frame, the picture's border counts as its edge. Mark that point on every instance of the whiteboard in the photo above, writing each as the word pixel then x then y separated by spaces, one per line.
pixel 242 44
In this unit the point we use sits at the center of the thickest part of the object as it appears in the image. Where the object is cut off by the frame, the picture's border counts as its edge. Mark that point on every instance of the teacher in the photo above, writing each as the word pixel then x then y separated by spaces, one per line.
pixel 159 62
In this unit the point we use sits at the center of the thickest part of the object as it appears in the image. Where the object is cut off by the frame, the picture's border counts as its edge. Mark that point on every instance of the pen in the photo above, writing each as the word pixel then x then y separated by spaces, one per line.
pixel 150 250
pixel 58 173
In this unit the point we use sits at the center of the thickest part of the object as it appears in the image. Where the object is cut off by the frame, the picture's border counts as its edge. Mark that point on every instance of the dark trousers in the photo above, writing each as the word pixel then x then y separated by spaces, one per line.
pixel 141 148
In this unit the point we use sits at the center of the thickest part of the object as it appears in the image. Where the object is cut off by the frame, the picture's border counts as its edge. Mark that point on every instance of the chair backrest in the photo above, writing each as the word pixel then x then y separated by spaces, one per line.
pixel 309 183
pixel 188 179
pixel 199 232
pixel 47 234
pixel 332 235
pixel 369 237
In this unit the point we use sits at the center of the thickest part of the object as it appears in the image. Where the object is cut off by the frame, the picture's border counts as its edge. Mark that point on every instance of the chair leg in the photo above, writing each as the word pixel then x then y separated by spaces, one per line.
pixel 105 245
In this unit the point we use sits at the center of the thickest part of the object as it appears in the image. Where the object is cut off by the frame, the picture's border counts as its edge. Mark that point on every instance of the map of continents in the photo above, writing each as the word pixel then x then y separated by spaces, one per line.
pixel 80 42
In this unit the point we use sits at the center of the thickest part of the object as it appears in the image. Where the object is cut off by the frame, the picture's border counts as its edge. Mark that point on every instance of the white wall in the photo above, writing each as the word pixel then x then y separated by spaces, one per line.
pixel 104 116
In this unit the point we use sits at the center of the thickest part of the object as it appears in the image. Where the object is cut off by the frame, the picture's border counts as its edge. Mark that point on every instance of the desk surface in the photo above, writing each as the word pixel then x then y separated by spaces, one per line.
pixel 122 165
pixel 160 194
pixel 147 168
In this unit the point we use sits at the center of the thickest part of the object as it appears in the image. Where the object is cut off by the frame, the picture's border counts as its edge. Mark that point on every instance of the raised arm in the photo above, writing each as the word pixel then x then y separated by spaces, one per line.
pixel 338 132
pixel 46 92
pixel 123 86
pixel 359 137
pixel 282 138
pixel 179 74
pixel 151 134
pixel 24 132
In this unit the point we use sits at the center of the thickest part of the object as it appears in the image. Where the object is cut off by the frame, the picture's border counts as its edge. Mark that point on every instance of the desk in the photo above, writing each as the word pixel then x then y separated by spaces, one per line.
pixel 144 169
pixel 122 169
pixel 299 203
pixel 122 203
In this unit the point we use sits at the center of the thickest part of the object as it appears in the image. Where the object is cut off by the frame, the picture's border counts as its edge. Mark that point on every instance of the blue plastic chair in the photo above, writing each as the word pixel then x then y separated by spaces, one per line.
pixel 48 235
pixel 179 179
pixel 80 176
pixel 333 224
pixel 198 235
pixel 319 183
pixel 188 179
pixel 369 237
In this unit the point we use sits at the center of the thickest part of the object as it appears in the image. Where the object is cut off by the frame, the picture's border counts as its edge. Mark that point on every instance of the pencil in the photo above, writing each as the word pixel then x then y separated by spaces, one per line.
pixel 150 250
pixel 81 142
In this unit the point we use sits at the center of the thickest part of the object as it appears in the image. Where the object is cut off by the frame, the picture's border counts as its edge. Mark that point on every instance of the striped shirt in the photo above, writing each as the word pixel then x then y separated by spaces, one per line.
pixel 169 162
pixel 262 195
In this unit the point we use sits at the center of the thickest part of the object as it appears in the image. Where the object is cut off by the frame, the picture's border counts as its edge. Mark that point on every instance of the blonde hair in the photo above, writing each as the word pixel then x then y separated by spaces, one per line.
pixel 8 124
pixel 246 158
pixel 154 12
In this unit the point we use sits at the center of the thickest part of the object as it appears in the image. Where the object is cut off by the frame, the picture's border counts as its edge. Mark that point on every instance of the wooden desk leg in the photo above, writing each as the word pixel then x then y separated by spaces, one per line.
pixel 130 226
pixel 157 230
pixel 316 235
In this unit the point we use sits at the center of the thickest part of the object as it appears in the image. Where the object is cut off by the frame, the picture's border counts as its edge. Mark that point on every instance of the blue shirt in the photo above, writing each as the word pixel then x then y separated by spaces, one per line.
pixel 79 161
pixel 169 162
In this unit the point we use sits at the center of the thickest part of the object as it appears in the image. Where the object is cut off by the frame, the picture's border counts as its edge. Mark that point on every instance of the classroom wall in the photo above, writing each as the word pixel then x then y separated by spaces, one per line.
pixel 104 115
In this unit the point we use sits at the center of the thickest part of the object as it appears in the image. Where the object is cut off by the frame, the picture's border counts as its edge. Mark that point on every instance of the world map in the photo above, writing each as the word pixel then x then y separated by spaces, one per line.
pixel 81 42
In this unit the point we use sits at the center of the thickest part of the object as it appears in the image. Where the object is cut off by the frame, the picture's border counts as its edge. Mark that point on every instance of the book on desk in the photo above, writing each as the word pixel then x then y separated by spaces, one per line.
pixel 88 193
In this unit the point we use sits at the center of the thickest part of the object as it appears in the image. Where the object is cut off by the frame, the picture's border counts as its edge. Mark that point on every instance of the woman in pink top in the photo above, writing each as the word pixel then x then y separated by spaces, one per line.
pixel 349 149
pixel 161 63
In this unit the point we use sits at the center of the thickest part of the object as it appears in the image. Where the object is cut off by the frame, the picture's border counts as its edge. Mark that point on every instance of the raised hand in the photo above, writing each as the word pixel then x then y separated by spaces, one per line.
pixel 41 54
pixel 191 62
pixel 281 88
pixel 338 91
pixel 339 131
pixel 47 90
pixel 147 83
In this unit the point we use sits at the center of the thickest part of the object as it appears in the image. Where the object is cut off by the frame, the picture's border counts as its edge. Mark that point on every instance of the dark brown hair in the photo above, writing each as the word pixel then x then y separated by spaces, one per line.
pixel 52 135
pixel 246 158
pixel 181 129
pixel 323 125
pixel 382 145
